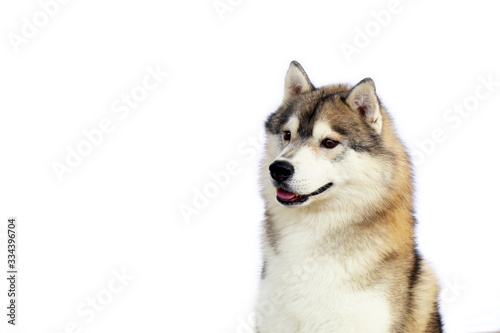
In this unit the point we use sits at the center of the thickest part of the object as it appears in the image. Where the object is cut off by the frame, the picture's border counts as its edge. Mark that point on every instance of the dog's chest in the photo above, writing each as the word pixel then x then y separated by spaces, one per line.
pixel 309 297
pixel 306 291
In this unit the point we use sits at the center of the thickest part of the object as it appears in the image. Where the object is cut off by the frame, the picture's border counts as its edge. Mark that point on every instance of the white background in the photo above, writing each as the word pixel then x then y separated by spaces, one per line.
pixel 120 208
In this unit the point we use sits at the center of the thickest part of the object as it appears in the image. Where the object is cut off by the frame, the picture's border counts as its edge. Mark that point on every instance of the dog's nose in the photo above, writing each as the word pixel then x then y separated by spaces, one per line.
pixel 281 170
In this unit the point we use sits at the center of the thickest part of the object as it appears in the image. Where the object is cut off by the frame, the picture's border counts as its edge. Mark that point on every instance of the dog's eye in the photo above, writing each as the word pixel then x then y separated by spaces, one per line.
pixel 329 143
pixel 287 135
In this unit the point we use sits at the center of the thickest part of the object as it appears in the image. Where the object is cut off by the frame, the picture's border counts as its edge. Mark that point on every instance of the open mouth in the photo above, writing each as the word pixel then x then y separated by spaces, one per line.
pixel 289 198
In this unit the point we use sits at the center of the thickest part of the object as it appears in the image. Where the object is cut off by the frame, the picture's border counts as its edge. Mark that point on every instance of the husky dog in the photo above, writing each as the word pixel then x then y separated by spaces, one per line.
pixel 338 242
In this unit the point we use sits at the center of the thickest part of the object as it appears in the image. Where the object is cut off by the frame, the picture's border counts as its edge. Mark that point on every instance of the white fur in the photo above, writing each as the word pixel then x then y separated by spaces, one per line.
pixel 322 130
pixel 308 291
pixel 302 182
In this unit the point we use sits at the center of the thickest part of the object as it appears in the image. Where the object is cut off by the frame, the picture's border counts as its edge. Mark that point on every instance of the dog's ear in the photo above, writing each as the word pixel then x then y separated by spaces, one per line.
pixel 296 81
pixel 363 99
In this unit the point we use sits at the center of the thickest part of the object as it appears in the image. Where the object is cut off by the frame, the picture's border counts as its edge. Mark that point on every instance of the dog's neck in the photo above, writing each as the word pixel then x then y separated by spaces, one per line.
pixel 331 230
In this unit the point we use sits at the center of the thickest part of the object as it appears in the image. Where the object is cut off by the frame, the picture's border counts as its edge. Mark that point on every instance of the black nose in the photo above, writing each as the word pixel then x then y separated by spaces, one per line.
pixel 281 170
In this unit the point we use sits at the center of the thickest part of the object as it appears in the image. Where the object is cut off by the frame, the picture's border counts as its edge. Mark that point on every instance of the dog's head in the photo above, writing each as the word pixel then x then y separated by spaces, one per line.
pixel 327 145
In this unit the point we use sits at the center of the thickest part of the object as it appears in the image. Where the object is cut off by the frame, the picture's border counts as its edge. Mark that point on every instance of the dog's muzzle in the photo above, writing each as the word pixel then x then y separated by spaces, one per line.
pixel 281 171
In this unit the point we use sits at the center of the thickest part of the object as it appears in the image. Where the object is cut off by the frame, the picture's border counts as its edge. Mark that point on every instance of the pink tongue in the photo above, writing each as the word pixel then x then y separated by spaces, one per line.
pixel 282 194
